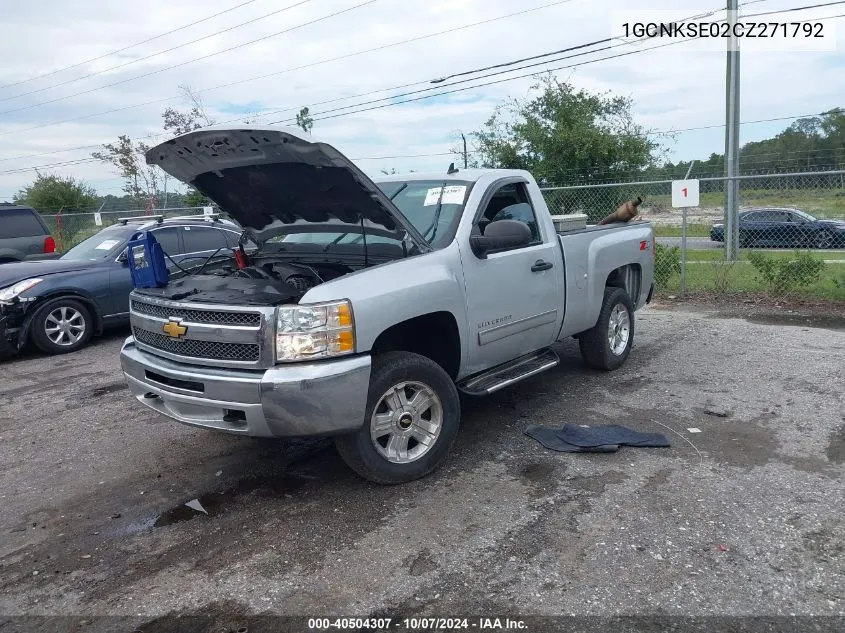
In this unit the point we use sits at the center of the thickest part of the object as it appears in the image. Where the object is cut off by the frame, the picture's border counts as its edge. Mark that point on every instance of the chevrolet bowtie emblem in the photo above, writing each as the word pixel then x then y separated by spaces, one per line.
pixel 174 329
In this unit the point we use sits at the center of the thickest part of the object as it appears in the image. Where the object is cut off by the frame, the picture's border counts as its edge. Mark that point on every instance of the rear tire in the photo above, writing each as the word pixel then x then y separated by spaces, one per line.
pixel 412 419
pixel 824 240
pixel 607 344
pixel 62 326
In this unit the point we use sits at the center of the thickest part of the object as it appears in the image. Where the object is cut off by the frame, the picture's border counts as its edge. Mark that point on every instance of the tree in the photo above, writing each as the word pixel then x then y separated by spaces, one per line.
pixel 563 133
pixel 57 193
pixel 304 120
pixel 141 181
pixel 178 122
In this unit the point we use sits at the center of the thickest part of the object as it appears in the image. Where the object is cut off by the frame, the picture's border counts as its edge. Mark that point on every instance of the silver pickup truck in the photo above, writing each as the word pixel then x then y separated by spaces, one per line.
pixel 360 309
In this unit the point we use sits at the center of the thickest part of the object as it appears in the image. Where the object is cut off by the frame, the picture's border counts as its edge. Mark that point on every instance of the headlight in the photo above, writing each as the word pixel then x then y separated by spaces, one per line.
pixel 314 331
pixel 7 294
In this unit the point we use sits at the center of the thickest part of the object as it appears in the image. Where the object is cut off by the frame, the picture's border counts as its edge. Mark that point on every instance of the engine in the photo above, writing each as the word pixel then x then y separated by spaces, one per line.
pixel 301 277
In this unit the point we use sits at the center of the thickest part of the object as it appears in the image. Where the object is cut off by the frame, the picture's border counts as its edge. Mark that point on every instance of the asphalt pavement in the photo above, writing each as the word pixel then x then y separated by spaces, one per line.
pixel 743 515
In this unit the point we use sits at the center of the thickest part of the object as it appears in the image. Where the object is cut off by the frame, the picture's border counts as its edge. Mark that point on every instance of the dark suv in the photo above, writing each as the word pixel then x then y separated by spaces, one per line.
pixel 24 235
pixel 59 305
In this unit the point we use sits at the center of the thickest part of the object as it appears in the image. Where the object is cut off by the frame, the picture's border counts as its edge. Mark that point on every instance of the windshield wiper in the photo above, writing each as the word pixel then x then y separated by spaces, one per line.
pixel 436 220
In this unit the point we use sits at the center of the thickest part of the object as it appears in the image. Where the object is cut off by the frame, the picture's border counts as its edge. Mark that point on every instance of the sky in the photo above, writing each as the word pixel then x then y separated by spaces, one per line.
pixel 76 75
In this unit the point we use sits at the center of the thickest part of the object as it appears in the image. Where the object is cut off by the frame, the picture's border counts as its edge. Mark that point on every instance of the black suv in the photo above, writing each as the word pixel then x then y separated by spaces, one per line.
pixel 24 235
pixel 59 305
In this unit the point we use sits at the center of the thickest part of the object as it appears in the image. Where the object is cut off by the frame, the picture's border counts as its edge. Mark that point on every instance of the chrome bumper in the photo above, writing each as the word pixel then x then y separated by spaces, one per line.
pixel 297 400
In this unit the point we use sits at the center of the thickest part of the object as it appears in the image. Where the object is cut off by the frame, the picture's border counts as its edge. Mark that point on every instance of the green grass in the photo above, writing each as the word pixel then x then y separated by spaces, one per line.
pixel 827 203
pixel 712 254
pixel 713 274
pixel 693 230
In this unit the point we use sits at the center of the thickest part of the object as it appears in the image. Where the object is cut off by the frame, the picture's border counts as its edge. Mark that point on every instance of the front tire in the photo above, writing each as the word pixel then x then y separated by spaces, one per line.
pixel 412 419
pixel 607 344
pixel 62 326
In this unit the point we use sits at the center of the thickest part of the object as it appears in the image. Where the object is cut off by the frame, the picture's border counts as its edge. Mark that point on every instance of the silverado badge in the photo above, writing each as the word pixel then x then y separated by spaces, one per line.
pixel 174 329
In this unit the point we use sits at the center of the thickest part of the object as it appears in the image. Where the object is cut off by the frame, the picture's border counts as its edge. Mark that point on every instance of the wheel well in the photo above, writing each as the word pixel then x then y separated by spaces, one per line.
pixel 628 278
pixel 434 335
pixel 87 302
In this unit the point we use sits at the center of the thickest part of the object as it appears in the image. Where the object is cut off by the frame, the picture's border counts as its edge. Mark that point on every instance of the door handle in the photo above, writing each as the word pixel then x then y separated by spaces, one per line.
pixel 541 265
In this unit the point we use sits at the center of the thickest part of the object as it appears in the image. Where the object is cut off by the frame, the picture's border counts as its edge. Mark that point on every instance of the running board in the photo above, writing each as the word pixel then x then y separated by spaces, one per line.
pixel 503 375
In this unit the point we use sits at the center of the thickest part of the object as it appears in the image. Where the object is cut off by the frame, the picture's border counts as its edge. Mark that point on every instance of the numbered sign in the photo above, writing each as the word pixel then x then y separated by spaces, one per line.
pixel 685 193
pixel 98 218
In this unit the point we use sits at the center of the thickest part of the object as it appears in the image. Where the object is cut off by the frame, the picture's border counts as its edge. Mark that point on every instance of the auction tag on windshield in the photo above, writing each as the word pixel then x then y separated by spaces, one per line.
pixel 432 196
pixel 454 194
pixel 107 245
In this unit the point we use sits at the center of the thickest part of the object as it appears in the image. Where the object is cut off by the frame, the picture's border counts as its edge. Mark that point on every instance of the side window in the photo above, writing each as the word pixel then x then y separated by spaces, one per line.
pixel 19 223
pixel 203 238
pixel 169 240
pixel 511 202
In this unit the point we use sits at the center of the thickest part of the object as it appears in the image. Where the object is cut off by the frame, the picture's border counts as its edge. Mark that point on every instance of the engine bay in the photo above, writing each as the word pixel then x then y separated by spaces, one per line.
pixel 266 280
pixel 299 276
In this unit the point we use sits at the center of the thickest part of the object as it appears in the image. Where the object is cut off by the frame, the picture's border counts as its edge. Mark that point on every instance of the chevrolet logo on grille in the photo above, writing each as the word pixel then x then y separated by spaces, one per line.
pixel 174 329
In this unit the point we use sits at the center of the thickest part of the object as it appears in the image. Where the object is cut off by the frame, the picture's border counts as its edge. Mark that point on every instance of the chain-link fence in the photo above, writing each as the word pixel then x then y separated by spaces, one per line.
pixel 789 232
pixel 69 229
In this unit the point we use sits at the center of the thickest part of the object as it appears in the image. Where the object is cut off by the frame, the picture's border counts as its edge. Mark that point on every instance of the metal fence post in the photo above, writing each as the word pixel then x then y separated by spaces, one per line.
pixel 683 250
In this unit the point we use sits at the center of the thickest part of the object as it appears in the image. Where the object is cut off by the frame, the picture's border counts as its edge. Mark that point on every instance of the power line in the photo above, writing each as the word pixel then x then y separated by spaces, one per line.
pixel 82 161
pixel 447 92
pixel 140 59
pixel 392 97
pixel 294 68
pixel 804 8
pixel 126 48
pixel 196 59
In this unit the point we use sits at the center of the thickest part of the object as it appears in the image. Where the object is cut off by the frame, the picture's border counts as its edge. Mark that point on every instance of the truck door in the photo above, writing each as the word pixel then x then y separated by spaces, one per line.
pixel 515 297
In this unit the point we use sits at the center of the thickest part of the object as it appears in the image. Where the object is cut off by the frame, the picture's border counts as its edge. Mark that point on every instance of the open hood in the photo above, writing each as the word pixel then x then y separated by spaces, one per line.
pixel 274 181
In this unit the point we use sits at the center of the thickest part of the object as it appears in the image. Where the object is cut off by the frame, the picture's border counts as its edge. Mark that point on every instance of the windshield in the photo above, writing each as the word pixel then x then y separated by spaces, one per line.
pixel 104 244
pixel 804 215
pixel 433 207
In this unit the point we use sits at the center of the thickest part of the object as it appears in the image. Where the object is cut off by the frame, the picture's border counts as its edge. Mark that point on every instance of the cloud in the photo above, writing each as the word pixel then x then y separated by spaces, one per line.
pixel 671 87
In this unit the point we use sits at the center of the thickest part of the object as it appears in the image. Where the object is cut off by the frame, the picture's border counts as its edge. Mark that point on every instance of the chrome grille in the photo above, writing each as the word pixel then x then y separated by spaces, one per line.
pixel 193 348
pixel 215 317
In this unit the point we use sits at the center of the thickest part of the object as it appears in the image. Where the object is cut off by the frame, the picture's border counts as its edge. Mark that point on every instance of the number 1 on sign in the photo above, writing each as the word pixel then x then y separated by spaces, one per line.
pixel 685 191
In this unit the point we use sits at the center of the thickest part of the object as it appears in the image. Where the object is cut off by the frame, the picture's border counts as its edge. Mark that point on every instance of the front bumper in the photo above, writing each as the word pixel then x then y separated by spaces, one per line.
pixel 12 328
pixel 296 400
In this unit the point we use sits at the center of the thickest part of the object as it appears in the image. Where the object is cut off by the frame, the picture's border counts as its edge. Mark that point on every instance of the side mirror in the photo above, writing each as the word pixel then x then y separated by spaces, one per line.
pixel 122 258
pixel 499 236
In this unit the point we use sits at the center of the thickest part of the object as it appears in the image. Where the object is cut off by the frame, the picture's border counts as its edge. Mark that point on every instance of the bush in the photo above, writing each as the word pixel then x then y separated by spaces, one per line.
pixel 667 262
pixel 784 275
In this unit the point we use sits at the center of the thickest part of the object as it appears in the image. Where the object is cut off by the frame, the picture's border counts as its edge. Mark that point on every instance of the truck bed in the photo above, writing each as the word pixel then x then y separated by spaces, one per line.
pixel 590 228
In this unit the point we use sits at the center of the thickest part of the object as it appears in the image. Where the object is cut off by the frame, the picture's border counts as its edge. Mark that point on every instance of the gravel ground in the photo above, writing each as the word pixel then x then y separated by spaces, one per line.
pixel 744 517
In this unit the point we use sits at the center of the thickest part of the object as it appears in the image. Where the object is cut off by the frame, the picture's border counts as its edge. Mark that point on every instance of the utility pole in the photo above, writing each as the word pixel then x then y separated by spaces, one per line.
pixel 732 139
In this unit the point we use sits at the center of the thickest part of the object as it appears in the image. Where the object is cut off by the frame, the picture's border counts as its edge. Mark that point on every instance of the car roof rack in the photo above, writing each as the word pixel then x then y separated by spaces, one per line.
pixel 148 218
pixel 214 217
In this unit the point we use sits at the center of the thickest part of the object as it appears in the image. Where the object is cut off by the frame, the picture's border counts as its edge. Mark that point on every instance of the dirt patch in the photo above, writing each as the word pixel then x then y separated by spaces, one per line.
pixel 99 392
pixel 743 443
pixel 763 309
pixel 422 563
pixel 836 447
pixel 658 479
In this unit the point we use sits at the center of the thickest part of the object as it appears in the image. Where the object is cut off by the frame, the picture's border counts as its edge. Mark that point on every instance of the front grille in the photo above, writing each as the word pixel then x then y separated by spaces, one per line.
pixel 216 317
pixel 193 348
